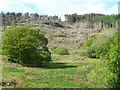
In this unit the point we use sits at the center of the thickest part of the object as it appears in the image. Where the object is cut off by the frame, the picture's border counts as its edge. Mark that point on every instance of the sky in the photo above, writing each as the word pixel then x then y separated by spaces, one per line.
pixel 60 7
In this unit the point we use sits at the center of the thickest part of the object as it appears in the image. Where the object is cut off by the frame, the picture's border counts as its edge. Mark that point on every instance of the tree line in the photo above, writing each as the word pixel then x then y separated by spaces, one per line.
pixel 106 21
pixel 12 17
pixel 109 21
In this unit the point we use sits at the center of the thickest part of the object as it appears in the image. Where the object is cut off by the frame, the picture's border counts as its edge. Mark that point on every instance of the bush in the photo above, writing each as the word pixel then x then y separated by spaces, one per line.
pixel 107 48
pixel 91 52
pixel 110 51
pixel 98 46
pixel 90 42
pixel 25 46
pixel 83 52
pixel 114 60
pixel 60 50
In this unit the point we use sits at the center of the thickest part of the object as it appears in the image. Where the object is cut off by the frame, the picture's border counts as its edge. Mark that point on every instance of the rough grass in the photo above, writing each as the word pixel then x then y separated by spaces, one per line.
pixel 62 72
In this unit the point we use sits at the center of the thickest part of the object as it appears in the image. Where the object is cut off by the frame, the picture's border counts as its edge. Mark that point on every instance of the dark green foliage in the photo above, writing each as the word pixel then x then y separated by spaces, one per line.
pixel 107 21
pixel 111 52
pixel 71 18
pixel 102 51
pixel 90 42
pixel 60 50
pixel 95 48
pixel 25 46
pixel 91 52
pixel 56 24
pixel 99 45
pixel 114 60
pixel 83 52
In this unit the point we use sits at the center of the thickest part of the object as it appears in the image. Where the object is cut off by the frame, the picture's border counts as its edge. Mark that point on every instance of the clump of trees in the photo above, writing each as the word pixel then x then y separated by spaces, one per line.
pixel 25 46
pixel 107 21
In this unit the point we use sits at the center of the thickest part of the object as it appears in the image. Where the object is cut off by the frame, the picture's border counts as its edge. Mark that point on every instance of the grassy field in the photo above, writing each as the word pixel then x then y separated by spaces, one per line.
pixel 62 72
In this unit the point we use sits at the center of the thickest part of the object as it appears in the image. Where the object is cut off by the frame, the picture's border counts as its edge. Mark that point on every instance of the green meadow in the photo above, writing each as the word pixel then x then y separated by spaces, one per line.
pixel 63 72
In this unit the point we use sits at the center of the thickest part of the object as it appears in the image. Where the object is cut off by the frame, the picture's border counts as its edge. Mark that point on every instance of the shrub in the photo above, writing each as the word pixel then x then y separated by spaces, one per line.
pixel 102 50
pixel 90 42
pixel 107 47
pixel 114 60
pixel 60 50
pixel 25 46
pixel 110 51
pixel 98 46
pixel 83 52
pixel 91 52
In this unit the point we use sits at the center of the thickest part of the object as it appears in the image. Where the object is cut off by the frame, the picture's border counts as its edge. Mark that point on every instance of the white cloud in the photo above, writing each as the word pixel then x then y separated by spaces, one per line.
pixel 95 7
pixel 14 6
pixel 113 10
pixel 59 7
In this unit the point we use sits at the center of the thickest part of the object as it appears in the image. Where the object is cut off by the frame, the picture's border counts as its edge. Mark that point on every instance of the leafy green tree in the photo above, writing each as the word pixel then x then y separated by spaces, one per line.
pixel 114 60
pixel 110 51
pixel 25 46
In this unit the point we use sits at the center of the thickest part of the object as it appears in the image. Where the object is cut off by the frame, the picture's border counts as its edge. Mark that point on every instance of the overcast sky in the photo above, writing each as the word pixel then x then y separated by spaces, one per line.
pixel 60 7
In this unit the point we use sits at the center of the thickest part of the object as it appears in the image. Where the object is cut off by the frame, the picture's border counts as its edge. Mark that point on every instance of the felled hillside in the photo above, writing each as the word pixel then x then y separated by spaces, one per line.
pixel 71 33
pixel 72 38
